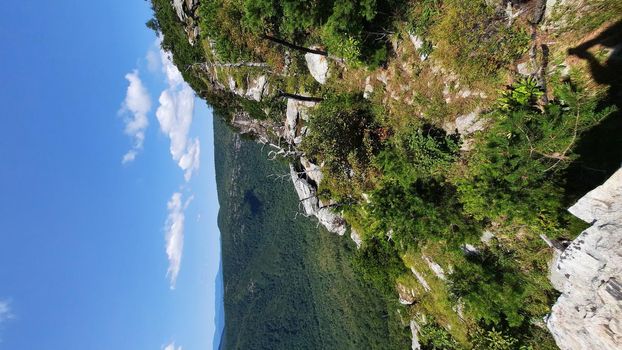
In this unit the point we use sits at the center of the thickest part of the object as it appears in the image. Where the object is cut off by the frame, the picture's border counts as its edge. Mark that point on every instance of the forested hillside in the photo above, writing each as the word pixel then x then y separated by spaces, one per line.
pixel 288 283
pixel 450 135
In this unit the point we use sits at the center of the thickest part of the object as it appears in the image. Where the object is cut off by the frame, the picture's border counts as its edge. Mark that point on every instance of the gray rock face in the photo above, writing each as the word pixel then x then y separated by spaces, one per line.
pixel 414 329
pixel 178 5
pixel 314 172
pixel 436 268
pixel 588 314
pixel 466 125
pixel 318 66
pixel 297 111
pixel 356 237
pixel 418 44
pixel 256 89
pixel 420 279
pixel 311 204
pixel 407 295
pixel 185 10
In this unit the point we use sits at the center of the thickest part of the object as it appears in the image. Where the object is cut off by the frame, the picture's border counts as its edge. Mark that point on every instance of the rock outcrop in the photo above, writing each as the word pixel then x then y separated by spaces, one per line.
pixel 257 88
pixel 407 295
pixel 414 329
pixel 588 314
pixel 185 10
pixel 297 112
pixel 312 206
pixel 318 66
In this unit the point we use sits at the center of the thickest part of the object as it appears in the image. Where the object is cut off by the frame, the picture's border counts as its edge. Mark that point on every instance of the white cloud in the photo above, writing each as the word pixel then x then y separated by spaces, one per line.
pixel 137 103
pixel 174 235
pixel 175 117
pixel 153 61
pixel 173 75
pixel 171 346
pixel 5 311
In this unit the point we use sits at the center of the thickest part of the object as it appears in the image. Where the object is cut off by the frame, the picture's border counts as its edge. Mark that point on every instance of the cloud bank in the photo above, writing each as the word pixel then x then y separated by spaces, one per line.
pixel 171 346
pixel 137 104
pixel 175 117
pixel 174 235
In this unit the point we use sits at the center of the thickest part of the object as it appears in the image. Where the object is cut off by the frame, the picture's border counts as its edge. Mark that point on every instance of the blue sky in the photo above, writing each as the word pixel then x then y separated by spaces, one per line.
pixel 99 253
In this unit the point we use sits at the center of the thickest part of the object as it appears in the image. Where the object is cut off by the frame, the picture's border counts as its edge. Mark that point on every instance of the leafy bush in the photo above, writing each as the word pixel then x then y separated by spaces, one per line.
pixel 342 134
pixel 497 293
pixel 378 262
pixel 514 171
pixel 424 152
pixel 434 337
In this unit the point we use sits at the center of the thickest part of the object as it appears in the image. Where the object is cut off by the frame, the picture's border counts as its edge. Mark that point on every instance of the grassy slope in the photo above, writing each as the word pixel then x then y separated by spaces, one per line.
pixel 288 283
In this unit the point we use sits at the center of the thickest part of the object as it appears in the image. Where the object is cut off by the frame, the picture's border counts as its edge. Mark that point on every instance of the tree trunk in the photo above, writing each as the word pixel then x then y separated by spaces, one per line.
pixel 293 46
pixel 300 97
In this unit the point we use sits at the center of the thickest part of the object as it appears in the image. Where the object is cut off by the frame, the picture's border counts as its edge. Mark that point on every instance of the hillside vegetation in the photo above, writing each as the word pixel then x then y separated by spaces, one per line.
pixel 451 135
pixel 288 284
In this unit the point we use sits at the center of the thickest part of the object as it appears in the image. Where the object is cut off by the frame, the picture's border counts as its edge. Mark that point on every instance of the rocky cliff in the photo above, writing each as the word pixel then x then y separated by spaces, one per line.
pixel 588 314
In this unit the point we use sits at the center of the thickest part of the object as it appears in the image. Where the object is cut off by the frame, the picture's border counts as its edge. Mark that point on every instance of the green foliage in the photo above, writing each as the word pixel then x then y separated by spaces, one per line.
pixel 514 172
pixel 288 285
pixel 499 294
pixel 379 263
pixel 472 40
pixel 175 41
pixel 424 152
pixel 425 209
pixel 494 340
pixel 523 94
pixel 491 287
pixel 422 15
pixel 220 22
pixel 352 29
pixel 342 135
pixel 434 337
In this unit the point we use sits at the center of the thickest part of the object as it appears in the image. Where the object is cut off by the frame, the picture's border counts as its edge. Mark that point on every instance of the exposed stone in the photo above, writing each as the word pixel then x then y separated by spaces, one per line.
pixel 486 236
pixel 469 123
pixel 465 125
pixel 296 111
pixel 334 223
pixel 366 198
pixel 311 204
pixel 414 329
pixel 261 128
pixel 383 77
pixel 588 314
pixel 318 66
pixel 526 68
pixel 185 10
pixel 178 5
pixel 406 295
pixel 552 6
pixel 469 249
pixel 421 280
pixel 291 119
pixel 356 237
pixel 418 44
pixel 313 171
pixel 368 88
pixel 256 88
pixel 436 268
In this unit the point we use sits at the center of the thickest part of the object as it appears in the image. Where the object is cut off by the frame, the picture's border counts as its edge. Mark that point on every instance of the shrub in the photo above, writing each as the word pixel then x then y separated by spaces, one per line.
pixel 343 135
